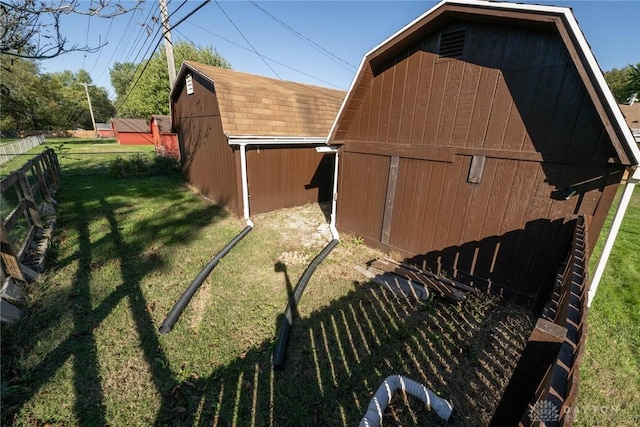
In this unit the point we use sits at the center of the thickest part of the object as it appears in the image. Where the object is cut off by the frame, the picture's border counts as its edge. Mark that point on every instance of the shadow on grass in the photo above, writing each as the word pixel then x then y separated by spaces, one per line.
pixel 339 355
pixel 87 202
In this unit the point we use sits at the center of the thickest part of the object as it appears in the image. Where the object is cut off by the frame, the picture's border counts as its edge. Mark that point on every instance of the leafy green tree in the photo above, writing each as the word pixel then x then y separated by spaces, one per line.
pixel 32 100
pixel 70 108
pixel 623 82
pixel 22 105
pixel 121 74
pixel 633 83
pixel 150 95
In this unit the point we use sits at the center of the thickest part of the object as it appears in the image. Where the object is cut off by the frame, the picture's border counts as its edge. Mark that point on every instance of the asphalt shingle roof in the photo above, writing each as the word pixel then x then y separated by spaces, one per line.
pixel 130 125
pixel 261 106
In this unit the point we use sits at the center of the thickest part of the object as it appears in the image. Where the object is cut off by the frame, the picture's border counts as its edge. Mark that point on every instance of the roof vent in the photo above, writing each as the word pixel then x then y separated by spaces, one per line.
pixel 452 43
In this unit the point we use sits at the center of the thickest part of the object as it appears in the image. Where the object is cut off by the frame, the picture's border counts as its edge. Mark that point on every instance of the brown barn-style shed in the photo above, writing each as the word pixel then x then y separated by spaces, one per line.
pixel 472 138
pixel 166 142
pixel 233 125
pixel 131 131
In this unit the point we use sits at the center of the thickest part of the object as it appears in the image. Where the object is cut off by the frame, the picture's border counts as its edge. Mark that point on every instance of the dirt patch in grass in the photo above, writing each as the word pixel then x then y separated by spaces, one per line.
pixel 305 226
pixel 125 250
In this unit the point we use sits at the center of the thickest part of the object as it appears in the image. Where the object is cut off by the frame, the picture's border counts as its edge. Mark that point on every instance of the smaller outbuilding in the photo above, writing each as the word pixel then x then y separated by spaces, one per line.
pixel 166 142
pixel 251 140
pixel 104 130
pixel 131 131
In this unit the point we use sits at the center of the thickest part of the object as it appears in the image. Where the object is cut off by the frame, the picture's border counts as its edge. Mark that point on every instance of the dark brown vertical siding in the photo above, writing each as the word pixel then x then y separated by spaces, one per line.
pixel 362 205
pixel 514 97
pixel 286 177
pixel 425 80
pixel 397 100
pixel 436 99
pixel 481 111
pixel 466 103
pixel 209 163
pixel 450 102
pixel 408 100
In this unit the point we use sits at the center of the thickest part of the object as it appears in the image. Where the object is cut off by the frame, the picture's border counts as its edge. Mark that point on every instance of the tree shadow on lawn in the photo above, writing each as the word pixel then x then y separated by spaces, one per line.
pixel 85 203
pixel 338 356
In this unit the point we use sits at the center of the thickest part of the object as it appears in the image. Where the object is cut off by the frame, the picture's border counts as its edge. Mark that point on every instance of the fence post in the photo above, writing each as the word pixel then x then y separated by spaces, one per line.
pixel 11 262
pixel 54 167
pixel 28 196
pixel 539 354
pixel 44 188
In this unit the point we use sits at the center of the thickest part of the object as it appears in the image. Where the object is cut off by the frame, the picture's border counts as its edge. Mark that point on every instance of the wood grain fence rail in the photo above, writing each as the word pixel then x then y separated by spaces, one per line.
pixel 543 388
pixel 28 212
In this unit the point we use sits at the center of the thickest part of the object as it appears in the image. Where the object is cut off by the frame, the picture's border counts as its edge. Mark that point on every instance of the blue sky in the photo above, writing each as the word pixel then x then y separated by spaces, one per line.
pixel 346 29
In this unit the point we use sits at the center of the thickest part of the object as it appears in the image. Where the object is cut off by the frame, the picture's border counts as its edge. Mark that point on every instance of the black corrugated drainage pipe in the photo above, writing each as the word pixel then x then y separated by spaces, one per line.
pixel 287 321
pixel 180 305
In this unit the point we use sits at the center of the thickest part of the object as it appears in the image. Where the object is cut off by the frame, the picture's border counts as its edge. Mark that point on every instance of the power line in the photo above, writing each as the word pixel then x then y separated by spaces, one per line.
pixel 101 50
pixel 154 49
pixel 248 42
pixel 86 43
pixel 327 53
pixel 270 59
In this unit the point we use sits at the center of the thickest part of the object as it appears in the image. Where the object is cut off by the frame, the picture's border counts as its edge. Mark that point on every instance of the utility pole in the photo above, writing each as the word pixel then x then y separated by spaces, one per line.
pixel 93 120
pixel 168 44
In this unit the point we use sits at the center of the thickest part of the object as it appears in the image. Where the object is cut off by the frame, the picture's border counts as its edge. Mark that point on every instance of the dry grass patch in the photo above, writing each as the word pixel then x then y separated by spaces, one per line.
pixel 88 351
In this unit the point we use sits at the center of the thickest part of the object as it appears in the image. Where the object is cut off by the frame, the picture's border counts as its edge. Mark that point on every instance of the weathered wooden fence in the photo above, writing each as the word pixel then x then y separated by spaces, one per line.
pixel 28 217
pixel 543 388
pixel 12 149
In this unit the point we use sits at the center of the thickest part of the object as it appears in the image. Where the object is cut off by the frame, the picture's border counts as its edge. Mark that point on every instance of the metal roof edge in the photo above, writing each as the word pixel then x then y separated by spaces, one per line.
pixel 275 140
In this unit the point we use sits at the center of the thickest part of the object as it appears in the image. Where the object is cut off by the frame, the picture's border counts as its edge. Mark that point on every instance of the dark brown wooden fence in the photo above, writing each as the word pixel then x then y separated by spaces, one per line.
pixel 28 211
pixel 544 386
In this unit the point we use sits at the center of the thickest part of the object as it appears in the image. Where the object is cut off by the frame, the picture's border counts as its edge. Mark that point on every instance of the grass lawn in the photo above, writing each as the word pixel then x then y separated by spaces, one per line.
pixel 609 392
pixel 88 351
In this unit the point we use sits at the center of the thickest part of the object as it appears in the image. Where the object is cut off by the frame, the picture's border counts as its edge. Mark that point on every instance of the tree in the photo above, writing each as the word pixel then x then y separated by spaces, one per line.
pixel 150 95
pixel 633 83
pixel 623 82
pixel 22 105
pixel 31 29
pixel 121 74
pixel 31 100
pixel 70 106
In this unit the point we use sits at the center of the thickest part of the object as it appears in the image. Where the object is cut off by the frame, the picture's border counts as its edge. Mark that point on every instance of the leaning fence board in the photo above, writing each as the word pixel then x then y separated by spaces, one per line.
pixel 11 262
pixel 438 287
pixel 395 283
pixel 34 183
pixel 444 280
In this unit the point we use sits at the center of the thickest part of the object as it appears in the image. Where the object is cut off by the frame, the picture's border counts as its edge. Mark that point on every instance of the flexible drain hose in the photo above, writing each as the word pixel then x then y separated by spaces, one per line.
pixel 182 302
pixel 389 386
pixel 287 320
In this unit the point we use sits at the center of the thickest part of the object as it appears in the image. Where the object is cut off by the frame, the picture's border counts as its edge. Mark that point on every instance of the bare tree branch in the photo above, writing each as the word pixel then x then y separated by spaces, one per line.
pixel 31 29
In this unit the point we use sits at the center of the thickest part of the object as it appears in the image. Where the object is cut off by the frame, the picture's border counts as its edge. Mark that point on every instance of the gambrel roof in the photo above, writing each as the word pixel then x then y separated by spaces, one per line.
pixel 252 105
pixel 558 19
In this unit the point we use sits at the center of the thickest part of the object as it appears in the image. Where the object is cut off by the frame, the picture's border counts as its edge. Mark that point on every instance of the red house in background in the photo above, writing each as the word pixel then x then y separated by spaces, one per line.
pixel 131 131
pixel 104 130
pixel 166 142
